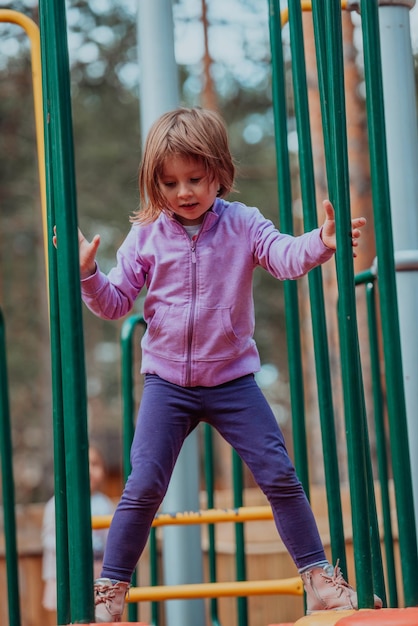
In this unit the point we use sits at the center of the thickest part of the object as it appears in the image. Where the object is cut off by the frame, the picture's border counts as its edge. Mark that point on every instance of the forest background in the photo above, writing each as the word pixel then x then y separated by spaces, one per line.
pixel 231 73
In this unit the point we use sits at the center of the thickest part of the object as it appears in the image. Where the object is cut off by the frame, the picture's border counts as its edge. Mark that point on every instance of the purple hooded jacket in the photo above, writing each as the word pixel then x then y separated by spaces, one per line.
pixel 199 306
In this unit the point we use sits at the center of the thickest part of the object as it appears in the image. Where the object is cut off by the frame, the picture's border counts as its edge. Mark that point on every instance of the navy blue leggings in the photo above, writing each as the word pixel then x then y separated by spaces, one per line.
pixel 241 414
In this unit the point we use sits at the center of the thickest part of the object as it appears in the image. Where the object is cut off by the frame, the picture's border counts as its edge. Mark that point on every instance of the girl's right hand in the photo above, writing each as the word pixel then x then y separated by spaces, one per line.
pixel 87 251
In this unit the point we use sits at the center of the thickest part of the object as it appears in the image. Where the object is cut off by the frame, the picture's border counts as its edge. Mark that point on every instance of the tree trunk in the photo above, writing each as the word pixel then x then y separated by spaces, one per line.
pixel 209 99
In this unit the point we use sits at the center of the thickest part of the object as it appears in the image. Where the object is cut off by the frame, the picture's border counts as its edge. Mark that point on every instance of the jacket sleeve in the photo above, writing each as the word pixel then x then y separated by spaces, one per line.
pixel 285 256
pixel 112 296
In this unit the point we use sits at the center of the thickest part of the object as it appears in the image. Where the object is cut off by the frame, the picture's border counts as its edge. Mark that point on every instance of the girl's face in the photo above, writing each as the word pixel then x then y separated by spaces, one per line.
pixel 187 189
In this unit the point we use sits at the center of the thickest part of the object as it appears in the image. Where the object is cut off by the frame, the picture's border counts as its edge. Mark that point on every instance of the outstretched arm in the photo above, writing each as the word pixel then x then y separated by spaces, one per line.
pixel 109 296
pixel 328 228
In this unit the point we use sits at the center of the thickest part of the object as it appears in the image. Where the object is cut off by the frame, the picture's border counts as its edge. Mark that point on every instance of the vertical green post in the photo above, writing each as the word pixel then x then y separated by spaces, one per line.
pixel 328 40
pixel 70 361
pixel 238 488
pixel 210 491
pixel 388 302
pixel 316 293
pixel 127 377
pixel 60 481
pixel 61 531
pixel 6 458
pixel 381 441
pixel 368 278
pixel 128 403
pixel 294 349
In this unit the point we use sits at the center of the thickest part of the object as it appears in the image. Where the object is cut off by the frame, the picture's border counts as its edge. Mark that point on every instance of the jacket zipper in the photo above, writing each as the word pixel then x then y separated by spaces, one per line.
pixel 192 313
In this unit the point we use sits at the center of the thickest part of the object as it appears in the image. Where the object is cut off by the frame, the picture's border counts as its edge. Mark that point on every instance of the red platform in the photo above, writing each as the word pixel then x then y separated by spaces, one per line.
pixel 381 617
pixel 363 617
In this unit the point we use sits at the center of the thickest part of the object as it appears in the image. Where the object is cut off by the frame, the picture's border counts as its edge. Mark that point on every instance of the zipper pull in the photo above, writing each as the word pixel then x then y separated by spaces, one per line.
pixel 193 248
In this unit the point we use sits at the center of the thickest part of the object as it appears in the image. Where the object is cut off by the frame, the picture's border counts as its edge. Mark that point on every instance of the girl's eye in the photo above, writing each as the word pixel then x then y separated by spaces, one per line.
pixel 195 180
pixel 169 184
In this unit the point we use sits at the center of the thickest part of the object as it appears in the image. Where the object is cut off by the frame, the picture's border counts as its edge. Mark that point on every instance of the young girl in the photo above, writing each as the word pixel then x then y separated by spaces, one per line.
pixel 196 253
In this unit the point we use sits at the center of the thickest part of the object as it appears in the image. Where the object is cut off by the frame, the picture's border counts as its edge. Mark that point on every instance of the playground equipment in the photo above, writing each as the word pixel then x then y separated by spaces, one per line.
pixel 32 31
pixel 70 436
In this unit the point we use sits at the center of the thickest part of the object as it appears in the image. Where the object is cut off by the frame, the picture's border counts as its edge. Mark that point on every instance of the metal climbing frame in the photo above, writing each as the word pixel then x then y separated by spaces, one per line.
pixel 328 43
pixel 67 349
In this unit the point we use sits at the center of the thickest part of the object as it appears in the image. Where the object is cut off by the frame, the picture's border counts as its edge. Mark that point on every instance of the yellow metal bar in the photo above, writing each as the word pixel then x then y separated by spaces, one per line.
pixel 211 516
pixel 241 514
pixel 287 586
pixel 306 6
pixel 32 32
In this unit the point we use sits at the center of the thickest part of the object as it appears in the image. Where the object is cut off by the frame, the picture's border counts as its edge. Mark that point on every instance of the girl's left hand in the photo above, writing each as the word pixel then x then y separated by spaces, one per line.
pixel 328 228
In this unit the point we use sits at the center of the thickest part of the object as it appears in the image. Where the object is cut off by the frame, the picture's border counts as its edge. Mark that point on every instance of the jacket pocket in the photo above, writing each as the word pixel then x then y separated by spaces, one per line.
pixel 166 333
pixel 215 338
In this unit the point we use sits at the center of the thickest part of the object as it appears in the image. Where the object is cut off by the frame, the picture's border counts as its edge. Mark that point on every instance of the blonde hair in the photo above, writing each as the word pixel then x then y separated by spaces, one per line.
pixel 189 133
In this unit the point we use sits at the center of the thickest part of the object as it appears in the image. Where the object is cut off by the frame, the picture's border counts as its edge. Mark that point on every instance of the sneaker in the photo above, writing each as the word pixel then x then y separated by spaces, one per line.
pixel 327 590
pixel 109 600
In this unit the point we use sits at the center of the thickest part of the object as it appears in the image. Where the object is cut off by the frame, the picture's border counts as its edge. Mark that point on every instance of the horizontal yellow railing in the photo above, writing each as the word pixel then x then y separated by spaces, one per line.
pixel 211 516
pixel 286 586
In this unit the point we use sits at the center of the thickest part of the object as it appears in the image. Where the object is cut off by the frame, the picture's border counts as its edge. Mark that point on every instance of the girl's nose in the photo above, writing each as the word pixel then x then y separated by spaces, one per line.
pixel 183 190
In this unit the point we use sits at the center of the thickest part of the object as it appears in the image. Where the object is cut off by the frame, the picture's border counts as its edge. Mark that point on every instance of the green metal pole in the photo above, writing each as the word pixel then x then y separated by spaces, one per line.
pixel 7 481
pixel 328 39
pixel 375 545
pixel 210 490
pixel 382 461
pixel 153 549
pixel 60 481
pixel 128 397
pixel 128 403
pixel 321 352
pixel 238 488
pixel 294 349
pixel 60 162
pixel 388 302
